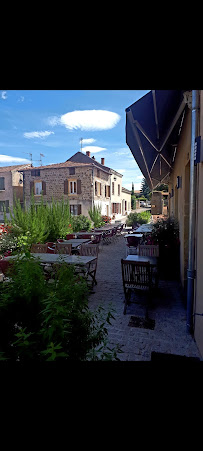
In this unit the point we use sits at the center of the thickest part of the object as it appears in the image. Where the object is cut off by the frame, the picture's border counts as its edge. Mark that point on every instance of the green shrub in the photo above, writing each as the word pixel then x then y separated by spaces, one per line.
pixel 96 217
pixel 133 219
pixel 81 222
pixel 40 321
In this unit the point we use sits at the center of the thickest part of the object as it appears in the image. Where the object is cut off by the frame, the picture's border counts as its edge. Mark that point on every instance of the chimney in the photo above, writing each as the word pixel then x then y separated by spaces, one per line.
pixel 102 161
pixel 88 153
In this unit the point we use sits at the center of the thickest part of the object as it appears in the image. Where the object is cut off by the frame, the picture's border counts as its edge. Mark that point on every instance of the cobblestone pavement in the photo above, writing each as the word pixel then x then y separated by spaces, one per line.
pixel 169 312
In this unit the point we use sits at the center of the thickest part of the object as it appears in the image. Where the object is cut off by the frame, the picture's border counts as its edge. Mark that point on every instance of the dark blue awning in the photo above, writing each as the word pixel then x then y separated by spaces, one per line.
pixel 153 125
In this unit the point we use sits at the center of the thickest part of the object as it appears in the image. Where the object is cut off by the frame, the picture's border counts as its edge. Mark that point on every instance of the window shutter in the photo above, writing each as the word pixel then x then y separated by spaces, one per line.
pixel 78 186
pixel 43 188
pixel 31 187
pixel 65 186
pixel 79 209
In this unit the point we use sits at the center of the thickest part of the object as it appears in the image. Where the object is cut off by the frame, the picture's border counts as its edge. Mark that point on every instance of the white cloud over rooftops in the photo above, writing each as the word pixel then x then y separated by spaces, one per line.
pixel 92 120
pixel 93 149
pixel 40 135
pixel 12 160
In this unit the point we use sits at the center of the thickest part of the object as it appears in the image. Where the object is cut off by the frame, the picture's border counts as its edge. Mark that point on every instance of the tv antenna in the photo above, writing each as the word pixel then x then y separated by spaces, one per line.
pixel 81 140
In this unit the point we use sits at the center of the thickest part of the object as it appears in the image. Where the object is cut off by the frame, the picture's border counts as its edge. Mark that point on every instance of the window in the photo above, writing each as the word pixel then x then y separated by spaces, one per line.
pixel 73 187
pixel 37 188
pixel 116 208
pixel 2 183
pixel 75 209
pixel 107 191
pixel 98 173
pixel 35 172
pixel 98 189
pixel 119 188
pixel 4 203
pixel 112 187
pixel 72 171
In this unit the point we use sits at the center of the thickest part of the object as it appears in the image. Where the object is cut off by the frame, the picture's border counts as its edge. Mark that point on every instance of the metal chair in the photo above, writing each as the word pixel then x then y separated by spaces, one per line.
pixel 136 276
pixel 63 248
pixel 91 250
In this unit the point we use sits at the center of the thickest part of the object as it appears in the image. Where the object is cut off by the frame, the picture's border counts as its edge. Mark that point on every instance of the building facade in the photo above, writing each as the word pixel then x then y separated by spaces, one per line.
pixel 83 181
pixel 11 187
pixel 164 131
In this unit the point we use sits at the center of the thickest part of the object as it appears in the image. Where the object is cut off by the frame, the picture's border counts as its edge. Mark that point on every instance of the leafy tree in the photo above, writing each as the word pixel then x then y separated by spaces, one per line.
pixel 145 190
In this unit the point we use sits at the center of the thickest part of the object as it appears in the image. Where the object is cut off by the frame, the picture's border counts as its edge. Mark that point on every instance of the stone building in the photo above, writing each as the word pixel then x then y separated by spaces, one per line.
pixel 11 186
pixel 83 181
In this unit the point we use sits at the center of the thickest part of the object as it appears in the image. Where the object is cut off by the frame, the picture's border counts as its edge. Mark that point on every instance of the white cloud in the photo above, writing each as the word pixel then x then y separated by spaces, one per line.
pixel 41 135
pixel 88 140
pixel 21 99
pixel 93 149
pixel 86 120
pixel 3 95
pixel 13 160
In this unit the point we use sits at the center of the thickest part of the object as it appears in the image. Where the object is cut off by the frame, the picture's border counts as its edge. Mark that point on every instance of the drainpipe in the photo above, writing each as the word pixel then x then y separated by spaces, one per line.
pixel 192 213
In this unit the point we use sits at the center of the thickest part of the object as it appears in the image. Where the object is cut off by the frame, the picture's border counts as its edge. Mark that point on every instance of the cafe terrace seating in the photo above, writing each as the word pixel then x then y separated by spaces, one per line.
pixel 39 248
pixel 93 250
pixel 137 276
pixel 132 244
pixel 150 250
pixel 61 248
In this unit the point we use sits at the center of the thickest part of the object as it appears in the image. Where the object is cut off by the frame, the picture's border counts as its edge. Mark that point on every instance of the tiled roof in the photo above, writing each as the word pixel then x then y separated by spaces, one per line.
pixel 17 167
pixel 66 164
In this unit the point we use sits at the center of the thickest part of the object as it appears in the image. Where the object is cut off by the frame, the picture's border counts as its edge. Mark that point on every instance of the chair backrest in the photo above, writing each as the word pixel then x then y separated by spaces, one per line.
pixel 61 248
pixel 50 248
pixel 39 248
pixel 149 250
pixel 97 239
pixel 89 249
pixel 136 274
pixel 70 236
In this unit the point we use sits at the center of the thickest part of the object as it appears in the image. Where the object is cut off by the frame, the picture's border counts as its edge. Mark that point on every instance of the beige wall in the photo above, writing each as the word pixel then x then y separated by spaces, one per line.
pixel 126 197
pixel 198 307
pixel 179 203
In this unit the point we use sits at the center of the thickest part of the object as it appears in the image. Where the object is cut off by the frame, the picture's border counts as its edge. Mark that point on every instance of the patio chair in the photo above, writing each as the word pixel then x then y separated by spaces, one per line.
pixel 137 276
pixel 63 248
pixel 132 244
pixel 149 250
pixel 91 250
pixel 39 248
pixel 50 247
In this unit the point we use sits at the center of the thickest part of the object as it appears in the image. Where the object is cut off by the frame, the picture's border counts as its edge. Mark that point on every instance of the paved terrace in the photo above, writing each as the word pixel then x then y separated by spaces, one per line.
pixel 169 312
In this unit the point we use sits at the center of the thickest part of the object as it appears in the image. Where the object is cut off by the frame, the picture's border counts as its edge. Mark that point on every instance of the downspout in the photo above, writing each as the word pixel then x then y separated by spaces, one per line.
pixel 192 212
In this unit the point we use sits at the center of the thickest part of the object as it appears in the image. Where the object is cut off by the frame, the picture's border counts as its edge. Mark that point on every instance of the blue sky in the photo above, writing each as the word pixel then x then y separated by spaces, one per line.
pixel 52 122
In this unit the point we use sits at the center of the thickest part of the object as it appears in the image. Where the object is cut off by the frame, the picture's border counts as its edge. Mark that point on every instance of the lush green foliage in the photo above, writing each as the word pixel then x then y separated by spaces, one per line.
pixel 145 190
pixel 81 222
pixel 133 219
pixel 166 231
pixel 40 223
pixel 42 321
pixel 96 217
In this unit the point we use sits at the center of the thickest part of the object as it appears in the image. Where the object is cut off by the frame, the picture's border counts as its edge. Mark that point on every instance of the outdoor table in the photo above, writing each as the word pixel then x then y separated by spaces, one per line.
pixel 138 235
pixel 139 258
pixel 76 242
pixel 144 228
